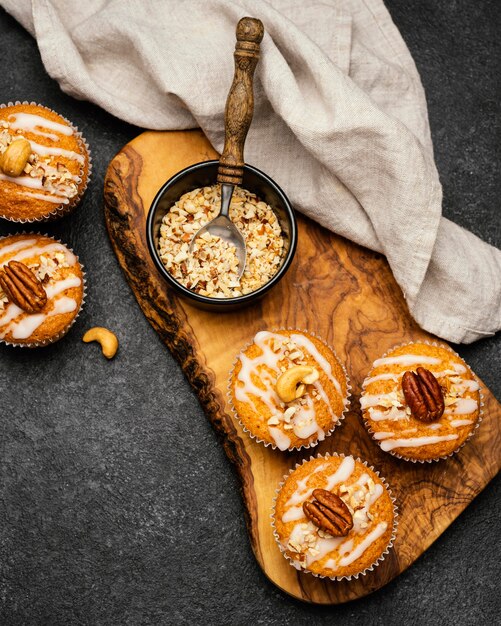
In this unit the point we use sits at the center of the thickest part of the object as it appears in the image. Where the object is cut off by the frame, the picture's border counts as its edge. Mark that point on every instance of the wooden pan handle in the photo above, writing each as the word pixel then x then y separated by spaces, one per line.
pixel 240 102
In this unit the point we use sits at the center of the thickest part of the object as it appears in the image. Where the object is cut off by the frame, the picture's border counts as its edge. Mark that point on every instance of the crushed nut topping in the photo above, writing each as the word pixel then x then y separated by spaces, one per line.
pixel 47 267
pixel 212 269
pixel 56 178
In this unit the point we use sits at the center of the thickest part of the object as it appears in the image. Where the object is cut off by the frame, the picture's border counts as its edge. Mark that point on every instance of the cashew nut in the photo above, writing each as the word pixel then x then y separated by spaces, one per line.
pixel 14 159
pixel 291 385
pixel 107 340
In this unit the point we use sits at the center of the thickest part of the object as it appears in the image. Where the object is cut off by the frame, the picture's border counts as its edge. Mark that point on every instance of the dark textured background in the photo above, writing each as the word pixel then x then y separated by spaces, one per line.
pixel 96 457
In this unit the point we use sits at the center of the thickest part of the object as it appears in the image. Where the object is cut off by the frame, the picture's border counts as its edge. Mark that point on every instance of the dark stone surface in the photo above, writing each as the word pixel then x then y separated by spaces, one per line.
pixel 96 457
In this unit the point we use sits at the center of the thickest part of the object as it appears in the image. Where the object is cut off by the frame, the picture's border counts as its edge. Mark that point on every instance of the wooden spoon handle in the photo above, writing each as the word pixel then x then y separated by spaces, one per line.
pixel 240 102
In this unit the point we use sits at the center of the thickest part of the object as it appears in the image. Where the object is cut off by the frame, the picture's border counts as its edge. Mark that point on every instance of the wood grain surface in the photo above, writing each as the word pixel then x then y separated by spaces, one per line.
pixel 344 293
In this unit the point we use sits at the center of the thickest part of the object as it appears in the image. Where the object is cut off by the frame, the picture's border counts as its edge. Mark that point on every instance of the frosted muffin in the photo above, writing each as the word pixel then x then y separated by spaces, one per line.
pixel 334 517
pixel 41 289
pixel 44 163
pixel 421 402
pixel 288 389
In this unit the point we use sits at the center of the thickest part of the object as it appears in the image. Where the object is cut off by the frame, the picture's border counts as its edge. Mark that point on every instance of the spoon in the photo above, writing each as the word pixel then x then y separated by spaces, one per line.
pixel 222 226
pixel 237 120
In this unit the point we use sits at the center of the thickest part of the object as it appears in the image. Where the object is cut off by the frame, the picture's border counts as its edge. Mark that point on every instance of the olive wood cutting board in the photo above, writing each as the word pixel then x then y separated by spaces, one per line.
pixel 334 288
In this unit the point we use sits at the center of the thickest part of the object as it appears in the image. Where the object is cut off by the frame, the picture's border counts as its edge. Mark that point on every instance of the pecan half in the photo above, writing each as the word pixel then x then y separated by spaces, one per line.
pixel 329 513
pixel 423 395
pixel 22 287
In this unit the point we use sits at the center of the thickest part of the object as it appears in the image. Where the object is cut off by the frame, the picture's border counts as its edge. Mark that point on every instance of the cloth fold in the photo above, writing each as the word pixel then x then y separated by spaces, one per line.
pixel 340 122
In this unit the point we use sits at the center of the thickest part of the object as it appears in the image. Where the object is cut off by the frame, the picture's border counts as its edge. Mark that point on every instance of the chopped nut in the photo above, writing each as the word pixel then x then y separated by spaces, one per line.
pixel 289 413
pixel 213 267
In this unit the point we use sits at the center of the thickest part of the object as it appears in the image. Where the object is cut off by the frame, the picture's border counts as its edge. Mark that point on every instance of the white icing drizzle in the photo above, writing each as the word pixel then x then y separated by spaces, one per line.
pixel 30 122
pixel 392 414
pixel 435 426
pixel 374 379
pixel 302 492
pixel 407 359
pixel 379 399
pixel 48 151
pixel 321 392
pixel 11 312
pixel 293 514
pixel 458 423
pixel 346 547
pixel 33 251
pixel 462 406
pixel 27 326
pixel 383 435
pixel 35 183
pixel 63 305
pixel 304 342
pixel 62 285
pixel 378 492
pixel 324 545
pixel 414 442
pixel 344 471
pixel 470 385
pixel 46 197
pixel 304 423
pixel 18 245
pixel 283 442
pixel 243 393
pixel 364 544
pixel 23 181
pixel 458 369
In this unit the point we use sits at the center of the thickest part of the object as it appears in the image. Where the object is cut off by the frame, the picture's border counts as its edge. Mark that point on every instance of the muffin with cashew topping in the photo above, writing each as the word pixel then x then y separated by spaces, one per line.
pixel 334 517
pixel 288 389
pixel 41 290
pixel 421 402
pixel 44 163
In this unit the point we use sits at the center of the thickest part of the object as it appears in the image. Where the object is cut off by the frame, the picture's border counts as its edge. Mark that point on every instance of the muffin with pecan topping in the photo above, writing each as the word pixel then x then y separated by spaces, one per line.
pixel 288 389
pixel 44 163
pixel 334 517
pixel 421 402
pixel 41 290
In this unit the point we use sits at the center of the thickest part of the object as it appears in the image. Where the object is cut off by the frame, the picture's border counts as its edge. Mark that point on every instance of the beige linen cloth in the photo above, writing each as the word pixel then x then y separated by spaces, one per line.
pixel 340 122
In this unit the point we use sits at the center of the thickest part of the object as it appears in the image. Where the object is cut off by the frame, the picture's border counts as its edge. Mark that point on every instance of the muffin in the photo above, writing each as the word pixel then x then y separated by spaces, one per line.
pixel 421 402
pixel 288 389
pixel 334 517
pixel 41 290
pixel 44 163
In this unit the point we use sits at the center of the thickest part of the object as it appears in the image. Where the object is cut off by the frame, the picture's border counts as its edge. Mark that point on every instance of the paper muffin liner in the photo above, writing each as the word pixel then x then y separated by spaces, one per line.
pixel 473 429
pixel 62 333
pixel 380 558
pixel 273 446
pixel 63 209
